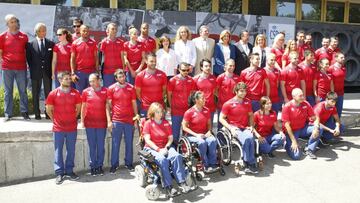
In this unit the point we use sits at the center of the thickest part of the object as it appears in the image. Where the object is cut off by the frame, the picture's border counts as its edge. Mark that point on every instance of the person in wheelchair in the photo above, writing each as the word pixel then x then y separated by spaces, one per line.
pixel 237 116
pixel 197 127
pixel 267 128
pixel 158 139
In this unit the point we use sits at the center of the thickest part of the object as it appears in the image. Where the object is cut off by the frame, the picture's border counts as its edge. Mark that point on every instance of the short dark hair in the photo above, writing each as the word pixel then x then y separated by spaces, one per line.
pixel 150 55
pixel 162 39
pixel 193 97
pixel 332 96
pixel 238 86
pixel 203 61
pixel 182 64
pixel 77 20
pixel 253 54
pixel 242 32
pixel 61 75
pixel 119 72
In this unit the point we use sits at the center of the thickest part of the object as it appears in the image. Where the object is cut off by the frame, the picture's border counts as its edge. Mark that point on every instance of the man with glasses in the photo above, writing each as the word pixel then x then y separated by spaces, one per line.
pixel 63 105
pixel 179 89
pixel 13 44
pixel 76 26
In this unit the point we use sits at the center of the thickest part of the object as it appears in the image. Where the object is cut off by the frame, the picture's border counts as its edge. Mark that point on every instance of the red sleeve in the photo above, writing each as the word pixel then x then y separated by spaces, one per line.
pixel 256 118
pixel 2 41
pixel 317 76
pixel 301 74
pixel 168 129
pixel 225 109
pixel 285 57
pixel 50 99
pixel 147 127
pixel 138 80
pixel 282 75
pixel 164 78
pixel 263 73
pixel 171 85
pixel 102 46
pixel 84 96
pixel 73 47
pixel 187 116
pixel 219 80
pixel 110 93
pixel 78 97
pixel 133 93
pixel 242 76
pixel 285 117
pixel 249 107
pixel 310 110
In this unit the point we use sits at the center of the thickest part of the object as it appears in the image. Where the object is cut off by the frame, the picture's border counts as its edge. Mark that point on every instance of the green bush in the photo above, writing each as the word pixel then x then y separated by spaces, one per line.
pixel 16 101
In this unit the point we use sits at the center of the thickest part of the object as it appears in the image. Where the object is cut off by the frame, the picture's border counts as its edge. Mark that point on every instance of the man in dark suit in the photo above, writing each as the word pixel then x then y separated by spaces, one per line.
pixel 39 56
pixel 244 49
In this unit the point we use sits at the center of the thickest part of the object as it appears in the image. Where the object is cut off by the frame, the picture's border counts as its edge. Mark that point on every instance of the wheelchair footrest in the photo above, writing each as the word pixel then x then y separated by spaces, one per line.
pixel 146 155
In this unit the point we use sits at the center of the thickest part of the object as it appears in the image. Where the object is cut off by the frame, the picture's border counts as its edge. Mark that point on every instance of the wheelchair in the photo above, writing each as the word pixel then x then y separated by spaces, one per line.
pixel 228 144
pixel 191 154
pixel 149 175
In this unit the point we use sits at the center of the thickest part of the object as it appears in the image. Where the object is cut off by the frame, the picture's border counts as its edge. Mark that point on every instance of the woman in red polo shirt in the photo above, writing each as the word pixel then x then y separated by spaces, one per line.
pixel 158 140
pixel 323 81
pixel 61 54
pixel 267 128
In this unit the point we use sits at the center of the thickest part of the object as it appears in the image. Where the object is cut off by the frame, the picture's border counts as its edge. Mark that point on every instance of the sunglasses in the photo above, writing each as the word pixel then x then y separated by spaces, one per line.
pixel 185 70
pixel 59 34
pixel 74 26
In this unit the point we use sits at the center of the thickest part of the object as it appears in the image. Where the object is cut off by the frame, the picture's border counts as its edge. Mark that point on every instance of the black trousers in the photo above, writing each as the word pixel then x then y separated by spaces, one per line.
pixel 36 89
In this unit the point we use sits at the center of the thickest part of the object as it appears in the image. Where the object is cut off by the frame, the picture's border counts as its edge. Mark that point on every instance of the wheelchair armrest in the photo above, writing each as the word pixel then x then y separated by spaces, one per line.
pixel 146 155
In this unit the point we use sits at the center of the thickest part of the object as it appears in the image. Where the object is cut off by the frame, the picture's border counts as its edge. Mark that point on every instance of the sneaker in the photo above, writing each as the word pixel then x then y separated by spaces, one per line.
pixel 59 179
pixel 7 118
pixel 310 154
pixel 100 171
pixel 184 187
pixel 271 155
pixel 37 117
pixel 171 192
pixel 113 170
pixel 72 176
pixel 25 115
pixel 93 172
pixel 253 169
pixel 130 168
pixel 209 169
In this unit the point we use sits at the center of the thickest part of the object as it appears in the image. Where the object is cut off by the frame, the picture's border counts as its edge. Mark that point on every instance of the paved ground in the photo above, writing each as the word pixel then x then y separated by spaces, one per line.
pixel 334 177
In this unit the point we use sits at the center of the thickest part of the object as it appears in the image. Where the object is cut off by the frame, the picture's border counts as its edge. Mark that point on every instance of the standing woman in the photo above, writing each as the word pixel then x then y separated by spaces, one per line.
pixel 223 51
pixel 197 126
pixel 323 81
pixel 290 46
pixel 278 49
pixel 261 48
pixel 185 48
pixel 61 54
pixel 206 82
pixel 267 128
pixel 166 57
pixel 134 56
pixel 158 139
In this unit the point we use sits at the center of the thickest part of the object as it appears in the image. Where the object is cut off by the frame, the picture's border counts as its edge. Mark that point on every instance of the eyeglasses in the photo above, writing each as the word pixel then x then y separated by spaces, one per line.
pixel 59 35
pixel 185 70
pixel 74 26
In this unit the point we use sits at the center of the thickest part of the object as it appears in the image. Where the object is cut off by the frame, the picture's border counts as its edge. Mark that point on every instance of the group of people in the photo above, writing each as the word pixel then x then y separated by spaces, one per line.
pixel 114 83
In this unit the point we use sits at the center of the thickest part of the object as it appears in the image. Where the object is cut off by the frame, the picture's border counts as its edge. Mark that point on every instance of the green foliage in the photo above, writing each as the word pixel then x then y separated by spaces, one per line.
pixel 53 2
pixel 170 5
pixel 135 4
pixel 16 1
pixel 16 101
pixel 96 3
pixel 199 5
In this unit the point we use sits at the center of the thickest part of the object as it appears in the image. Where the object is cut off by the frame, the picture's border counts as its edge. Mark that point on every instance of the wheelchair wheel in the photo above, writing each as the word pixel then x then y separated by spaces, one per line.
pixel 190 181
pixel 184 147
pixel 199 176
pixel 152 192
pixel 222 171
pixel 224 146
pixel 140 175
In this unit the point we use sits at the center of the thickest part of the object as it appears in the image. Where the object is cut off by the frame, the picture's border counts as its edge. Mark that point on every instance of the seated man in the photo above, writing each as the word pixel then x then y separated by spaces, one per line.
pixel 237 116
pixel 326 111
pixel 295 116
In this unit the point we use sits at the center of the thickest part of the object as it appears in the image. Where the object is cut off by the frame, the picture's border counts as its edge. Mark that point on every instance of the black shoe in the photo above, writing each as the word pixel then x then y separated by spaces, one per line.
pixel 37 117
pixel 7 118
pixel 309 153
pixel 25 115
pixel 130 168
pixel 323 142
pixel 335 140
pixel 47 116
pixel 100 171
pixel 253 169
pixel 93 172
pixel 72 176
pixel 113 170
pixel 59 179
pixel 271 155
pixel 171 192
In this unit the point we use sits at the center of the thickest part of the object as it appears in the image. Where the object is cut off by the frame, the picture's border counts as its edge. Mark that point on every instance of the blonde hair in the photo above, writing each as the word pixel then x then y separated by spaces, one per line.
pixel 178 37
pixel 277 38
pixel 287 49
pixel 155 106
pixel 258 37
pixel 222 34
pixel 132 31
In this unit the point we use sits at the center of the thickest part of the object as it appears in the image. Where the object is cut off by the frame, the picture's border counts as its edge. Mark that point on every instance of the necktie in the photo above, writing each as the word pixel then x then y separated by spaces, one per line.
pixel 42 47
pixel 263 58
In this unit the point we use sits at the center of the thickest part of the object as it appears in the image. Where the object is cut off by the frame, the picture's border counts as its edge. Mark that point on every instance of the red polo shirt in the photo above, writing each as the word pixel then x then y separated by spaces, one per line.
pixel 63 54
pixel 207 86
pixel 84 55
pixel 278 55
pixel 225 87
pixel 292 78
pixel 254 81
pixel 323 113
pixel 338 76
pixel 134 53
pixel 181 90
pixel 149 44
pixel 121 102
pixel 323 83
pixel 159 133
pixel 309 75
pixel 112 54
pixel 197 120
pixel 13 48
pixel 296 115
pixel 273 76
pixel 237 113
pixel 95 111
pixel 264 123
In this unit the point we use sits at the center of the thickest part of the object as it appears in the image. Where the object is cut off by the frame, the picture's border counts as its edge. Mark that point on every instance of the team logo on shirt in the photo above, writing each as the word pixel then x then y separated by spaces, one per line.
pixel 159 74
pixel 166 124
pixel 304 107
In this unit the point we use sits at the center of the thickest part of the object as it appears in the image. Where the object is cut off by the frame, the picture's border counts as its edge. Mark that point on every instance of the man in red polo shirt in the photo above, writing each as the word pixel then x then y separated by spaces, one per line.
pixel 237 116
pixel 112 52
pixel 122 99
pixel 291 77
pixel 63 105
pixel 323 52
pixel 327 113
pixel 76 26
pixel 255 79
pixel 13 44
pixel 148 42
pixel 295 116
pixel 150 85
pixel 334 48
pixel 273 75
pixel 338 72
pixel 300 42
pixel 309 70
pixel 84 59
pixel 179 89
pixel 95 117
